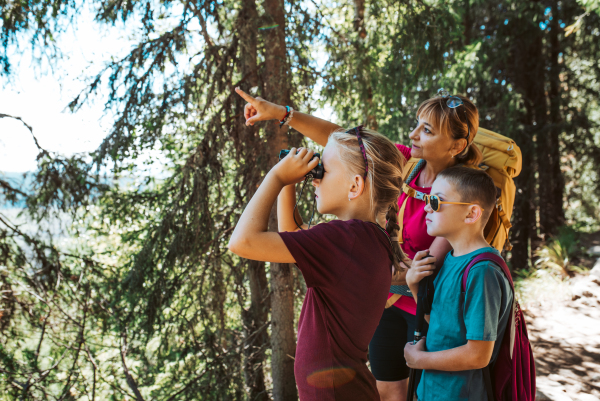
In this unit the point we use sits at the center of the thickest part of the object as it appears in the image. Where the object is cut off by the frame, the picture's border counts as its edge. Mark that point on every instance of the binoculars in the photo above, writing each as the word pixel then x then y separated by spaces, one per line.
pixel 316 172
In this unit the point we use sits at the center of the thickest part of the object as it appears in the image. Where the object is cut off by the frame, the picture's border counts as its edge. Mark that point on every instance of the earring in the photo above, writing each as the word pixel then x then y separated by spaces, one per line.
pixel 349 199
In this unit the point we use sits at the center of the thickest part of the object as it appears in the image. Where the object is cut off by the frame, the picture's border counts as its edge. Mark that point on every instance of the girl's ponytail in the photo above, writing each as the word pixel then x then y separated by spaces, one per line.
pixel 393 229
pixel 383 177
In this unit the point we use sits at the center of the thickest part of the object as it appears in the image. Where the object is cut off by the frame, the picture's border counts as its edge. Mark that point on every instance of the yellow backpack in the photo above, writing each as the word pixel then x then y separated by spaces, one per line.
pixel 502 161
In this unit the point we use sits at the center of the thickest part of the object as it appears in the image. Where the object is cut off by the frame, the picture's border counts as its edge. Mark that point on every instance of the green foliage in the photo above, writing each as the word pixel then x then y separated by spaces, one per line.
pixel 137 296
pixel 590 5
pixel 558 253
pixel 158 309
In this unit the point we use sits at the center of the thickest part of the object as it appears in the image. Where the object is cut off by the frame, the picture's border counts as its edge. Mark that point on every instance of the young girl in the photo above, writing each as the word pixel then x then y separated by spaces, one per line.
pixel 443 138
pixel 346 263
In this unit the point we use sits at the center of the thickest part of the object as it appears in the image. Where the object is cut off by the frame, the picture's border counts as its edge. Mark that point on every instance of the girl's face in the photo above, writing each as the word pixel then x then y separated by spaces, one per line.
pixel 430 144
pixel 332 190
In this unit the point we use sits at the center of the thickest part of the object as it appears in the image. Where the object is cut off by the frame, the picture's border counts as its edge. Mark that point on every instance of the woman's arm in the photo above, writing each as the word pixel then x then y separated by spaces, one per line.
pixel 422 266
pixel 285 210
pixel 259 109
pixel 313 127
pixel 472 355
pixel 438 249
pixel 250 239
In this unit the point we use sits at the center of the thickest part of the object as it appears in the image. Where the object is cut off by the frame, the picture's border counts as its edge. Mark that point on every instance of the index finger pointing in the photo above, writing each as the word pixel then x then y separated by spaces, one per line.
pixel 245 96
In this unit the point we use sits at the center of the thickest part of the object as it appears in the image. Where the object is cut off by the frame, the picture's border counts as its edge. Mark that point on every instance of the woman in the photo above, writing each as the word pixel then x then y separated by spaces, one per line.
pixel 446 126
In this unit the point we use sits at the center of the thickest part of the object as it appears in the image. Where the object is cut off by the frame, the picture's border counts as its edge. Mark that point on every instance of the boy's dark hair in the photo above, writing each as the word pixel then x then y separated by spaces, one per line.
pixel 473 185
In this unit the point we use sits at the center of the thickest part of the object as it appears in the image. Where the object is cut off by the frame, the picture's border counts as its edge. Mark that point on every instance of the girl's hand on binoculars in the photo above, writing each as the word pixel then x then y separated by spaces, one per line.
pixel 422 266
pixel 292 168
pixel 259 109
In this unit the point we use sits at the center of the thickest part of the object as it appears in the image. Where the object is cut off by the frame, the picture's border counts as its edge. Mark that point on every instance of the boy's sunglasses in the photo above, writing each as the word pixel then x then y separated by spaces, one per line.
pixel 435 202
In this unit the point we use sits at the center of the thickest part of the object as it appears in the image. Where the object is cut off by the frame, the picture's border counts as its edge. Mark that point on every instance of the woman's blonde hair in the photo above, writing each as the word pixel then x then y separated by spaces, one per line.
pixel 384 176
pixel 461 122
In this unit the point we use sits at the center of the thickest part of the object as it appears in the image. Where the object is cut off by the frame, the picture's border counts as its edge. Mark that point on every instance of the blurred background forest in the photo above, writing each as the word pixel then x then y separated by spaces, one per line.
pixel 118 285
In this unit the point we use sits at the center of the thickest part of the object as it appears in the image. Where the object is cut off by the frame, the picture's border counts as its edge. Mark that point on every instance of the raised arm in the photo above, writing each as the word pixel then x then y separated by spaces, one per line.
pixel 259 109
pixel 285 210
pixel 251 238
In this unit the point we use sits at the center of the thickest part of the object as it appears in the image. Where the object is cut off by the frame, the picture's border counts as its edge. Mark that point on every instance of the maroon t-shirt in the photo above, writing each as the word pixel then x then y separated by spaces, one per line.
pixel 347 269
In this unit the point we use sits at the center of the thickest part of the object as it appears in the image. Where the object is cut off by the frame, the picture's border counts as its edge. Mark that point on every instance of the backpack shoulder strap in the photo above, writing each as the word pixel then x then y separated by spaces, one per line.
pixel 411 169
pixel 487 380
pixel 489 256
pixel 486 256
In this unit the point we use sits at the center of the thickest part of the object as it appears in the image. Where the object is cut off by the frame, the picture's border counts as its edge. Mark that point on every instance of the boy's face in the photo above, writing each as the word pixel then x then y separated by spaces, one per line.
pixel 450 218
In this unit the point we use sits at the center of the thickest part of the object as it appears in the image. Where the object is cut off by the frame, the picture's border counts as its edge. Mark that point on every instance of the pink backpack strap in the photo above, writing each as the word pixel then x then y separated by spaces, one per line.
pixel 486 256
pixel 492 257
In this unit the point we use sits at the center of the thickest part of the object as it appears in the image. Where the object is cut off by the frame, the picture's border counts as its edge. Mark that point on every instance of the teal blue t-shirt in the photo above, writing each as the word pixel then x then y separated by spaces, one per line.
pixel 479 313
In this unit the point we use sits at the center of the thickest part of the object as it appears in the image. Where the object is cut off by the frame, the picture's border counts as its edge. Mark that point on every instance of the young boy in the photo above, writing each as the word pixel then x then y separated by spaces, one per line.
pixel 465 328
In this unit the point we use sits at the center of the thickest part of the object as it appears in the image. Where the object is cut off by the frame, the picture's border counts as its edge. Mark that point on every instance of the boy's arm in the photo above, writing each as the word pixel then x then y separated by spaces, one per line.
pixel 285 210
pixel 259 109
pixel 250 239
pixel 472 355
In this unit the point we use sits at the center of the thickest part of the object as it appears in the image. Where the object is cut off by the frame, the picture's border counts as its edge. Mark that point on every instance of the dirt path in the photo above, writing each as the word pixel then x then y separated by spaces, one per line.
pixel 565 334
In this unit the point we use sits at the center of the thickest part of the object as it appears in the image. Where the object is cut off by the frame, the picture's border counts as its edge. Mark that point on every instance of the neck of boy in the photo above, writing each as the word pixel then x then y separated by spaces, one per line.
pixel 432 169
pixel 466 242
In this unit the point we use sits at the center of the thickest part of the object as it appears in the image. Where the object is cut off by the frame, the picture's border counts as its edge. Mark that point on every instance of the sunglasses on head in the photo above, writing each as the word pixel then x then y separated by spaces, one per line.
pixel 436 203
pixel 453 102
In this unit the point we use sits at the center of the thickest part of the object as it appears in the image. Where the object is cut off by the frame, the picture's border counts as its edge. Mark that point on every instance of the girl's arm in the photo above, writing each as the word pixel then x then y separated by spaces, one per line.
pixel 259 109
pixel 250 239
pixel 472 355
pixel 285 210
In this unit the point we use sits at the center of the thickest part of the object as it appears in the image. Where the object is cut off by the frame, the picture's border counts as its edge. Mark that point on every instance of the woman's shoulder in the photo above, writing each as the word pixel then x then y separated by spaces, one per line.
pixel 405 150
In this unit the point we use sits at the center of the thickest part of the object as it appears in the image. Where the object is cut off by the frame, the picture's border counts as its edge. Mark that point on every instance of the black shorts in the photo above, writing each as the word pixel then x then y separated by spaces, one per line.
pixel 386 350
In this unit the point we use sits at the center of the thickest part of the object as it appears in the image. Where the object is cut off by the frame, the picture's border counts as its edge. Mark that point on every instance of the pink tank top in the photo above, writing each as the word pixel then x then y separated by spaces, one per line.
pixel 414 230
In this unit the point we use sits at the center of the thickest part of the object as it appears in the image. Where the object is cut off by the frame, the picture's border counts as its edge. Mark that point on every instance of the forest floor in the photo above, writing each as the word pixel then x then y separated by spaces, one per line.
pixel 563 320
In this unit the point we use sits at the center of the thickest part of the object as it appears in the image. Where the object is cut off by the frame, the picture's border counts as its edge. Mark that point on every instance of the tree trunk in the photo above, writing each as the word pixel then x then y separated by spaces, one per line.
pixel 467 23
pixel 550 183
pixel 248 41
pixel 523 215
pixel 359 18
pixel 277 88
pixel 370 117
pixel 558 187
pixel 528 70
pixel 256 317
pixel 256 338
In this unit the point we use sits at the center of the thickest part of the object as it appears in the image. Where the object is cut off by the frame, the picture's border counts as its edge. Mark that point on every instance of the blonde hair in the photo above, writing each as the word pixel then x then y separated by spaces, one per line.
pixel 384 176
pixel 456 123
